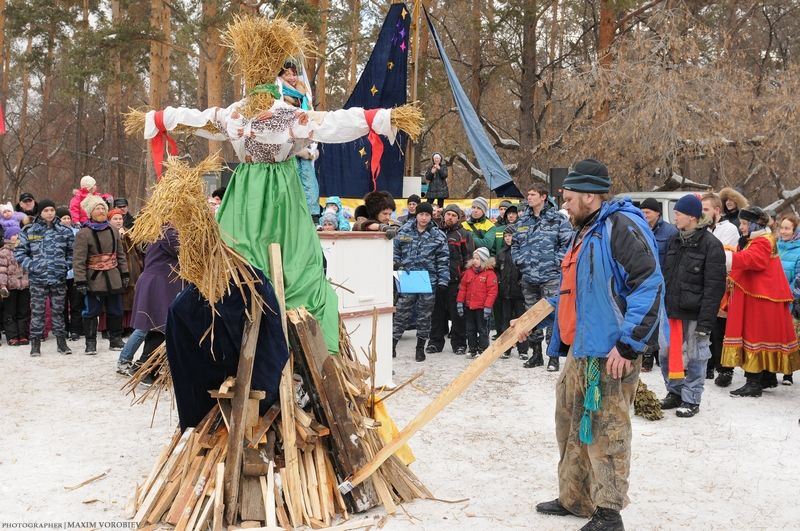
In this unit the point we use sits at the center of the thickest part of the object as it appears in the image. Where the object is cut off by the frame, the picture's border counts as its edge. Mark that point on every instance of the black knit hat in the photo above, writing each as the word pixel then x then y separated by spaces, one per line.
pixel 62 211
pixel 414 198
pixel 44 203
pixel 754 214
pixel 651 204
pixel 425 207
pixel 588 176
pixel 455 209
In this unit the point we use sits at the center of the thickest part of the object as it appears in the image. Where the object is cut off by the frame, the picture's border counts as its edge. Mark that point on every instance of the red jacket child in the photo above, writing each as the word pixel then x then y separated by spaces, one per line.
pixel 478 288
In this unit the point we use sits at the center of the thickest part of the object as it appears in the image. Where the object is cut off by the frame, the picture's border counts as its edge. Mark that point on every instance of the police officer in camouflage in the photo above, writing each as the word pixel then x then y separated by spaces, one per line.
pixel 45 252
pixel 420 246
pixel 540 241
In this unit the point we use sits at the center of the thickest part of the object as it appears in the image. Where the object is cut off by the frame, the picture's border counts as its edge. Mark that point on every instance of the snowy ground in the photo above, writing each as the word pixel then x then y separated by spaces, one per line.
pixel 735 465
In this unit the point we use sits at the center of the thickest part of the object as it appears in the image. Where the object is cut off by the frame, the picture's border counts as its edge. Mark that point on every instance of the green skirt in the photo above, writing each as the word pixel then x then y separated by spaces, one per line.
pixel 263 204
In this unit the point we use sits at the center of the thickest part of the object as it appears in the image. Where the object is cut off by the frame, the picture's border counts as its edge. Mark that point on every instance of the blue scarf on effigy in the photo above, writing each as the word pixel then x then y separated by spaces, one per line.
pixel 292 93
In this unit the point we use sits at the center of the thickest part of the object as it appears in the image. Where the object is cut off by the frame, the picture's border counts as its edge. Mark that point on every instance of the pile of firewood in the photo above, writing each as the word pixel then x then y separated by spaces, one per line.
pixel 293 457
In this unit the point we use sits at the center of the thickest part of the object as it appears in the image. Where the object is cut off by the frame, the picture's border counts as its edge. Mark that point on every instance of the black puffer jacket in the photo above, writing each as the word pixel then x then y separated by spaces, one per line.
pixel 508 274
pixel 694 271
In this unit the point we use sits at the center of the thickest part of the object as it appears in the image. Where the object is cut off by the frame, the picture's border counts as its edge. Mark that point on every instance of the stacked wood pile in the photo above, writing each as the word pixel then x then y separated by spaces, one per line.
pixel 293 458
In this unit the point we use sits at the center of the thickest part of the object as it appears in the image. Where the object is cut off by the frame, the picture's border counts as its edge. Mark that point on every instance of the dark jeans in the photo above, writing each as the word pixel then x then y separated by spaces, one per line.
pixel 152 341
pixel 17 313
pixel 444 310
pixel 477 330
pixel 94 305
pixel 439 201
pixel 717 335
pixel 513 308
pixel 73 307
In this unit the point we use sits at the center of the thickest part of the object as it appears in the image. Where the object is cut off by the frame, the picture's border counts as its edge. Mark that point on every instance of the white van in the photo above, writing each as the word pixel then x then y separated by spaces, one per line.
pixel 667 200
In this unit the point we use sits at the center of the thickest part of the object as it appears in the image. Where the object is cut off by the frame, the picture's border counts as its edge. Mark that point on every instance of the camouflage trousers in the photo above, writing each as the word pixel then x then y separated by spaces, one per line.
pixel 404 310
pixel 57 294
pixel 595 475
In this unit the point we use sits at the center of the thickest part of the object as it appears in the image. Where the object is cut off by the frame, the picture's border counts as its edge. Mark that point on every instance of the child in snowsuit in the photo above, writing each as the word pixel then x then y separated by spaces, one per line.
pixel 476 296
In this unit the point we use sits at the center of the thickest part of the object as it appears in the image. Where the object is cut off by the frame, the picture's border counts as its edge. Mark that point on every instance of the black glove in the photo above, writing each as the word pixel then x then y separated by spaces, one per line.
pixel 396 266
pixel 126 280
pixel 391 232
pixel 81 288
pixel 702 333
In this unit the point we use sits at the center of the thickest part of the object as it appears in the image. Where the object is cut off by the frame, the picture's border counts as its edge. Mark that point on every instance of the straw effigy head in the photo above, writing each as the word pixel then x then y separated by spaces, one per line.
pixel 262 45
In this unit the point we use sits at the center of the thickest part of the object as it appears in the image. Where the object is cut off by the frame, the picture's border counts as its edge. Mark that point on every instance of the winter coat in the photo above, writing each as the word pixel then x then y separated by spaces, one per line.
pixel 335 200
pixel 789 251
pixel 739 199
pixel 423 251
pixel 494 236
pixel 127 221
pixel 694 272
pixel 79 216
pixel 12 276
pixel 158 284
pixel 91 243
pixel 540 243
pixel 134 255
pixel 508 275
pixel 480 231
pixel 620 289
pixel 459 243
pixel 437 182
pixel 663 232
pixel 478 288
pixel 45 252
pixel 11 227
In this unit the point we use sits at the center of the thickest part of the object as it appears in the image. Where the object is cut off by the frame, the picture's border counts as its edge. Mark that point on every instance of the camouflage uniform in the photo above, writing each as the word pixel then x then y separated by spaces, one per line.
pixel 420 251
pixel 594 475
pixel 45 253
pixel 538 247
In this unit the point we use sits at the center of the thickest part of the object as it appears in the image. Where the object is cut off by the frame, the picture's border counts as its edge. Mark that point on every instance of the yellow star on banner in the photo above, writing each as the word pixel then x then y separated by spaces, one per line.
pixel 403 13
pixel 390 65
pixel 362 152
pixel 373 90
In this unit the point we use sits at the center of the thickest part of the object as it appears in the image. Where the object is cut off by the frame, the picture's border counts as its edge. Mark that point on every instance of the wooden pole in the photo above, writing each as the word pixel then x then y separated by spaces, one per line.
pixel 244 374
pixel 508 339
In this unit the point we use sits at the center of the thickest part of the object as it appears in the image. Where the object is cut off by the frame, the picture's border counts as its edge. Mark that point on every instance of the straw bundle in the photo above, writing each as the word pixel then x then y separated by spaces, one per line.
pixel 134 125
pixel 408 118
pixel 179 200
pixel 260 48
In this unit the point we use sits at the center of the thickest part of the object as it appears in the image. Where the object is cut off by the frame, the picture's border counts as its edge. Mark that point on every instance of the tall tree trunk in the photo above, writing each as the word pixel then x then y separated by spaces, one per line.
pixel 475 55
pixel 216 57
pixel 355 35
pixel 79 166
pixel 23 119
pixel 527 103
pixel 604 59
pixel 114 127
pixel 555 35
pixel 47 91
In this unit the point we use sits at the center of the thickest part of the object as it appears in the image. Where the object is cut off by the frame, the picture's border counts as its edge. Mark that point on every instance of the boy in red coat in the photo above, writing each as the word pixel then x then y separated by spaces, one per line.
pixel 476 296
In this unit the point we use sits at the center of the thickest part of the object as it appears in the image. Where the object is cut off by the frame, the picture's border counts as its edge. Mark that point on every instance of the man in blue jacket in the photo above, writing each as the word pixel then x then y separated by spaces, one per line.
pixel 609 312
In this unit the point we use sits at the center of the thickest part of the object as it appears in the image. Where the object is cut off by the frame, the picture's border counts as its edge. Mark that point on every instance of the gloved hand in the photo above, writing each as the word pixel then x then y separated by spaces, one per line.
pixel 396 266
pixel 390 231
pixel 126 280
pixel 702 334
pixel 487 313
pixel 460 309
pixel 81 288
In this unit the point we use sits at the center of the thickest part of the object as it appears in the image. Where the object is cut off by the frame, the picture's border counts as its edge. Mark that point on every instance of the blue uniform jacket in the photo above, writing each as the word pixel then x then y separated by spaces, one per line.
pixel 45 252
pixel 423 251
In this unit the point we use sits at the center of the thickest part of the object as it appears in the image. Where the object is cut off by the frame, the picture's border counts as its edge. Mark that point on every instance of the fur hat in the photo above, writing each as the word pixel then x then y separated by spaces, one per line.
pixel 754 214
pixel 481 203
pixel 87 181
pixel 377 201
pixel 735 196
pixel 91 202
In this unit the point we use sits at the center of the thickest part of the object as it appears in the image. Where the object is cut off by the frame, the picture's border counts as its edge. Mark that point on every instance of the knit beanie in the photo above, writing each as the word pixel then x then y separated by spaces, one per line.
pixel 650 204
pixel 91 202
pixel 62 211
pixel 87 181
pixel 483 253
pixel 329 217
pixel 510 229
pixel 455 209
pixel 588 176
pixel 114 212
pixel 481 203
pixel 414 198
pixel 690 205
pixel 505 203
pixel 422 208
pixel 6 206
pixel 45 203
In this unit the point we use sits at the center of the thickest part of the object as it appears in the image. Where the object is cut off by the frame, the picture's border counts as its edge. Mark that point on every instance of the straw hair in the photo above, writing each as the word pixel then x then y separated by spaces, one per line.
pixel 408 118
pixel 179 200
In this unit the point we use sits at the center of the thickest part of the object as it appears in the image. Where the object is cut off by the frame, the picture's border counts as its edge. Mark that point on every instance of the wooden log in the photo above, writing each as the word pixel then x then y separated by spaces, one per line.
pixel 244 373
pixel 264 424
pixel 161 479
pixel 348 456
pixel 533 316
pixel 255 462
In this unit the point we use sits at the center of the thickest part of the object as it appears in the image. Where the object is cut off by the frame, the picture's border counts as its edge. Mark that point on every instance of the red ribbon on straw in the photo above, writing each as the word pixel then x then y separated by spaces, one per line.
pixel 157 144
pixel 377 147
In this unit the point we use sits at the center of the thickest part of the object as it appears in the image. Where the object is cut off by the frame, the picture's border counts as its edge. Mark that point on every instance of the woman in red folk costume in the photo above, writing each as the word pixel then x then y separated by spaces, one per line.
pixel 759 335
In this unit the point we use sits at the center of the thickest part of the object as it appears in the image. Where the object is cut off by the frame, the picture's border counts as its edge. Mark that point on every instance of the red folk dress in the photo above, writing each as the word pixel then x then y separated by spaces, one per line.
pixel 760 335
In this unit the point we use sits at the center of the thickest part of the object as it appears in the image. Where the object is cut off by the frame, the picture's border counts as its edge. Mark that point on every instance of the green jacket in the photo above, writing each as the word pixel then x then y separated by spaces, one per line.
pixel 480 232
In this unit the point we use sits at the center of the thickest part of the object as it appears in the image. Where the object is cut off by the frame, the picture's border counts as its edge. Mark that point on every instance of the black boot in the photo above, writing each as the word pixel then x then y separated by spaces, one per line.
pixel 394 348
pixel 552 508
pixel 36 347
pixel 724 378
pixel 420 350
pixel 671 401
pixel 750 389
pixel 647 363
pixel 604 520
pixel 115 333
pixel 553 365
pixel 536 356
pixel 62 345
pixel 769 380
pixel 90 332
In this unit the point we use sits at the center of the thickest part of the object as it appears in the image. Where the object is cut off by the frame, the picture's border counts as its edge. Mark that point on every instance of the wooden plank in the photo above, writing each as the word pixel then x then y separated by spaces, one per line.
pixel 268 491
pixel 307 513
pixel 204 514
pixel 229 382
pixel 307 435
pixel 162 458
pixel 161 479
pixel 254 394
pixel 264 424
pixel 187 483
pixel 324 484
pixel 251 502
pixel 167 495
pixel 255 462
pixel 348 457
pixel 302 417
pixel 218 493
pixel 244 373
pixel 507 339
pixel 201 485
pixel 312 486
pixel 283 517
